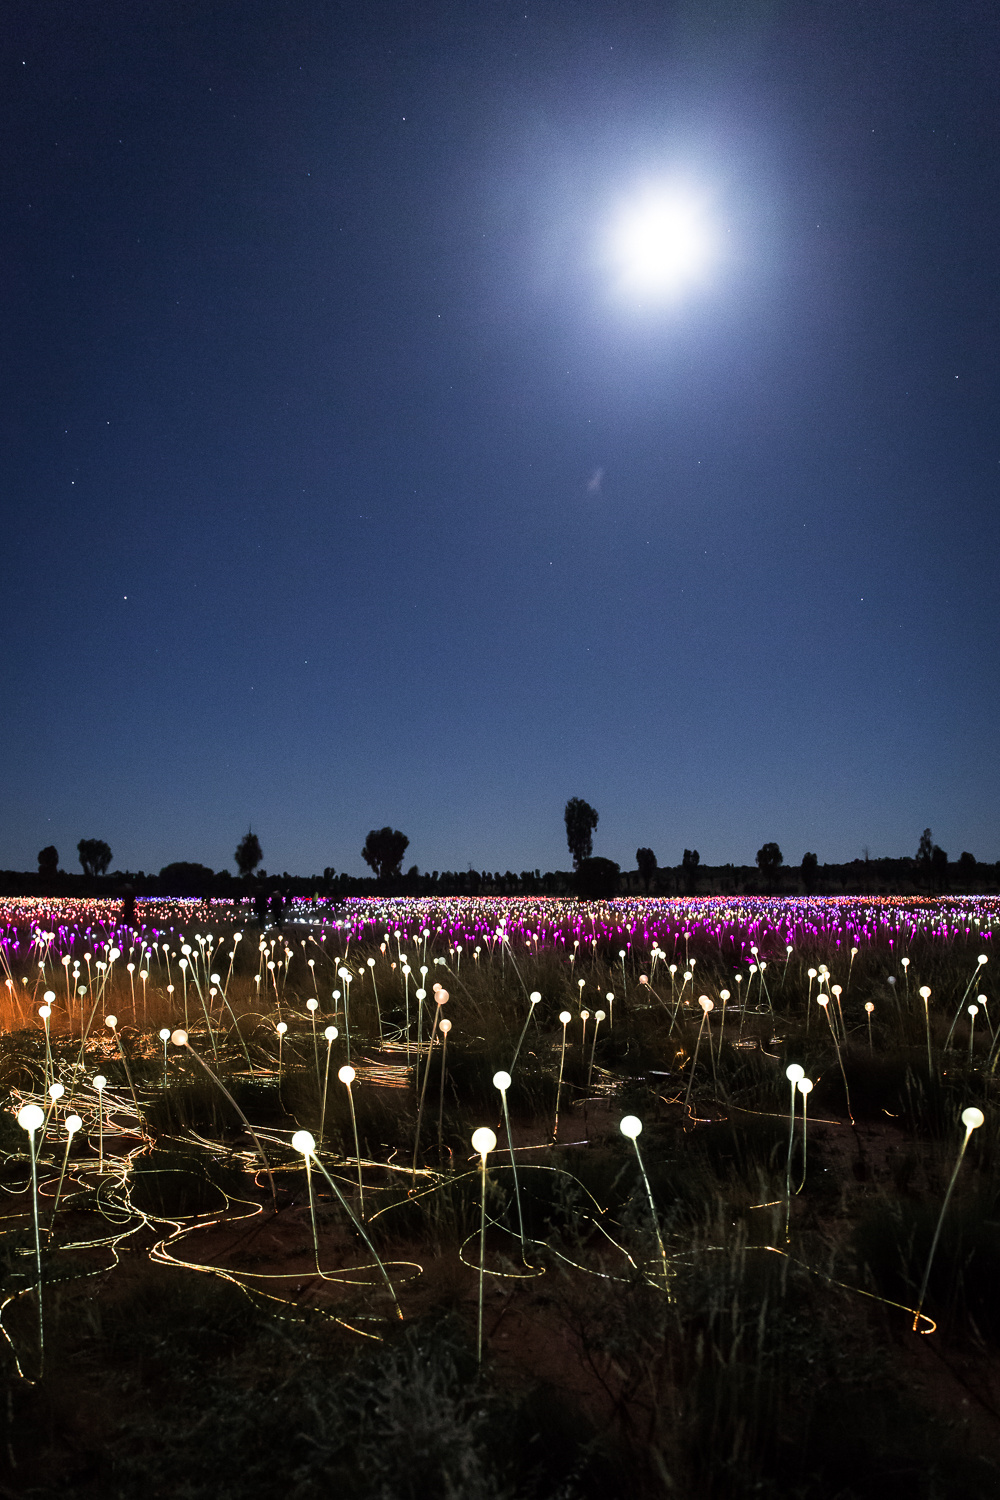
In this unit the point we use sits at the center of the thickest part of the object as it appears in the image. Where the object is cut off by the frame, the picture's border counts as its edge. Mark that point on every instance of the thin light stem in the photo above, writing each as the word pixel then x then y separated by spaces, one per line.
pixel 482 1256
pixel 513 1168
pixel 357 1152
pixel 788 1166
pixel 38 1261
pixel 937 1232
pixel 361 1230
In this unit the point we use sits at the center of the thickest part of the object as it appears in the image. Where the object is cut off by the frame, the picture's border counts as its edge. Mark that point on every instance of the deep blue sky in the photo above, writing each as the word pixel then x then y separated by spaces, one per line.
pixel 311 354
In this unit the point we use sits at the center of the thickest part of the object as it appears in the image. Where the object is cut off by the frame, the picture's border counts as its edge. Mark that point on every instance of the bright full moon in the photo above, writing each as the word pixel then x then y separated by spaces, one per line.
pixel 661 244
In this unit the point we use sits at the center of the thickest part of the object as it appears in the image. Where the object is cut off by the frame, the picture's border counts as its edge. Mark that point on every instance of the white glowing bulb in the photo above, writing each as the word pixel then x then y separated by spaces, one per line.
pixel 179 1038
pixel 72 1123
pixel 598 1015
pixel 30 1117
pixel 631 1126
pixel 565 1017
pixel 972 1118
pixel 925 993
pixel 483 1141
pixel 50 995
pixel 982 959
pixel 794 1072
pixel 445 1027
pixel 869 1007
pixel 723 994
pixel 56 1091
pixel 281 1027
pixel 111 1021
pixel 164 1033
pixel 535 996
pixel 100 1083
pixel 331 1033
pixel 501 1081
pixel 312 1005
pixel 304 1142
pixel 45 1011
pixel 805 1086
pixel 347 1074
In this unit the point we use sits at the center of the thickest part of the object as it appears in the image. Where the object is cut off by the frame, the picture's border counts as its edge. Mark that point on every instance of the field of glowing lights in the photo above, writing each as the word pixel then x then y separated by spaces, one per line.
pixel 501 1197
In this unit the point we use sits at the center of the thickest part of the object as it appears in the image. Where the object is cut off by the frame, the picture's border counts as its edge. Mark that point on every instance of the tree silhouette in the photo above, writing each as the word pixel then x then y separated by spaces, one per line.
pixel 248 853
pixel 95 856
pixel 939 868
pixel 646 861
pixel 581 820
pixel 596 878
pixel 810 872
pixel 689 864
pixel 769 862
pixel 48 862
pixel 384 850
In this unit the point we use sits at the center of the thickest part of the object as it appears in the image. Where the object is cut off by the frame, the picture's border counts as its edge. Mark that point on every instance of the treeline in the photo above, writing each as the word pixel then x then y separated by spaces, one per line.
pixel 595 877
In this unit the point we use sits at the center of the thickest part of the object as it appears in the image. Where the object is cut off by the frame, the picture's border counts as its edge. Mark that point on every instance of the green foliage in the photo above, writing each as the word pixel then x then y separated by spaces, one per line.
pixel 257 1412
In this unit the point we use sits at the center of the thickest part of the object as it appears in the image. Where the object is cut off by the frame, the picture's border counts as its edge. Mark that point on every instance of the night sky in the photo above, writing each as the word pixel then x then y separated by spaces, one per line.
pixel 352 475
